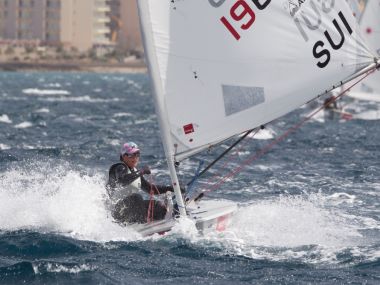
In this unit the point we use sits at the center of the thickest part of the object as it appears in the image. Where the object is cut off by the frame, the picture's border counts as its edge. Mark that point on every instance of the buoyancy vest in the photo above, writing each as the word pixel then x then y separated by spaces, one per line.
pixel 117 191
pixel 135 186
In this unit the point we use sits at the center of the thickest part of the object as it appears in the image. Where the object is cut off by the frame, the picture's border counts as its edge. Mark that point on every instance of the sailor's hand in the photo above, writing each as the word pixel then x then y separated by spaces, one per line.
pixel 182 188
pixel 145 170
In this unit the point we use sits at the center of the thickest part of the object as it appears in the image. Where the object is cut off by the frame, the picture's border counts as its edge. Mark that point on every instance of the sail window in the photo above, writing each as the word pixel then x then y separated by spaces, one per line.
pixel 240 98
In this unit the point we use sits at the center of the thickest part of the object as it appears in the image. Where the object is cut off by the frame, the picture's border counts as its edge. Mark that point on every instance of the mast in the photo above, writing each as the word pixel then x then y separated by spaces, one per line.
pixel 157 90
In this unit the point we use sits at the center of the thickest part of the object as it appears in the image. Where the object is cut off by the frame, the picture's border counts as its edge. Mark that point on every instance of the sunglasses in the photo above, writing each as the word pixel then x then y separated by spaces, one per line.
pixel 136 154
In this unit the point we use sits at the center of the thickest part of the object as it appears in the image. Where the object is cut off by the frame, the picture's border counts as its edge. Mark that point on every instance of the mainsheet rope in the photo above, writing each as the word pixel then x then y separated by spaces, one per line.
pixel 269 146
pixel 153 187
pixel 196 177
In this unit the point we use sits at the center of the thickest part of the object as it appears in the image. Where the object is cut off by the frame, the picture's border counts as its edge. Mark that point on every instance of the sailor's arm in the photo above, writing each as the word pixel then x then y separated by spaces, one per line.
pixel 147 186
pixel 125 178
pixel 158 189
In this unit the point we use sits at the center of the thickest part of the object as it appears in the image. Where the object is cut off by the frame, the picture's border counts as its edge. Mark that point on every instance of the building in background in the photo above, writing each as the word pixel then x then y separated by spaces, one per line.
pixel 80 24
pixel 130 38
pixel 115 24
pixel 26 20
pixel 84 24
pixel 124 25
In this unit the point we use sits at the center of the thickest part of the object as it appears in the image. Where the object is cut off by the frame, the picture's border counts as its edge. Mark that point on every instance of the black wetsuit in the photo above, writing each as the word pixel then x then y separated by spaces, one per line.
pixel 132 208
pixel 331 109
pixel 331 104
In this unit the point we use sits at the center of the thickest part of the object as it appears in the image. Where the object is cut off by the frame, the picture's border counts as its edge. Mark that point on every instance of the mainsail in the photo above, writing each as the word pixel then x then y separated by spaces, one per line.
pixel 368 14
pixel 221 67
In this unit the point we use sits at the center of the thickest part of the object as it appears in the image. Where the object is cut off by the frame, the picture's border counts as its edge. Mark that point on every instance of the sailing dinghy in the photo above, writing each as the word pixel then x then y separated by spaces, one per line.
pixel 220 68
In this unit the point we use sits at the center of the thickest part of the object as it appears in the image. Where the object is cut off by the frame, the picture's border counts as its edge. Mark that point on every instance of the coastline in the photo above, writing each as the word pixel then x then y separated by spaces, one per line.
pixel 135 66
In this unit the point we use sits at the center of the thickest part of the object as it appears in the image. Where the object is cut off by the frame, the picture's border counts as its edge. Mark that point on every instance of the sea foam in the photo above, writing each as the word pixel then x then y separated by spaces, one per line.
pixel 60 200
pixel 5 119
pixel 44 92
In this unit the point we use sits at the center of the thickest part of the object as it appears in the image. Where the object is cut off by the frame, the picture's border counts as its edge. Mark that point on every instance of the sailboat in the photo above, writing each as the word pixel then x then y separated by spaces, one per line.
pixel 221 68
pixel 367 13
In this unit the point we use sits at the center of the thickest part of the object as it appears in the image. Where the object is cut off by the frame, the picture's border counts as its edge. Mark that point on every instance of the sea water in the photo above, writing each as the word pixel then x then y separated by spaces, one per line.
pixel 308 209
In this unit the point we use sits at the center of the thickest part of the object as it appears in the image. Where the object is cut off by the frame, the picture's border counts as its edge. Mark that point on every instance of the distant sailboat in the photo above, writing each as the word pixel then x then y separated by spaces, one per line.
pixel 220 68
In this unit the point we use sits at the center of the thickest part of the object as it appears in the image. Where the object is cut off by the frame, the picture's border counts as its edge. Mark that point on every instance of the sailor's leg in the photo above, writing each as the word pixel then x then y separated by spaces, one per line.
pixel 131 209
pixel 159 210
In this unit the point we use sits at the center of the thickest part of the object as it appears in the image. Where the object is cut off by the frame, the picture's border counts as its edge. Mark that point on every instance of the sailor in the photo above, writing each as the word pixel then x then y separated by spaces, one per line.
pixel 330 103
pixel 332 110
pixel 126 185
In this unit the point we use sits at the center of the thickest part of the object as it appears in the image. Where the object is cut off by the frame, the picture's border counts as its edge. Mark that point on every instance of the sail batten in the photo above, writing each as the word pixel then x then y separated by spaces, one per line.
pixel 229 66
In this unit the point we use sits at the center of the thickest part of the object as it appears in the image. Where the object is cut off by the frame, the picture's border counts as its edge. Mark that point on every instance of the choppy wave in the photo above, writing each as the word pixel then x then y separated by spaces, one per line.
pixel 61 268
pixel 5 119
pixel 4 146
pixel 58 199
pixel 54 85
pixel 302 229
pixel 264 134
pixel 44 92
pixel 72 203
pixel 118 115
pixel 24 125
pixel 85 98
pixel 43 110
pixel 368 115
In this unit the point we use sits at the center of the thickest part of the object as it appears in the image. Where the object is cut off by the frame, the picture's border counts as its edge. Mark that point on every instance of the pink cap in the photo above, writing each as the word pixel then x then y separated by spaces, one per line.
pixel 129 148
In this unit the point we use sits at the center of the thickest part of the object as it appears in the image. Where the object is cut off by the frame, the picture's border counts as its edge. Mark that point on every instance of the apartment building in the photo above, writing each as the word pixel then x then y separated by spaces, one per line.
pixel 115 22
pixel 130 35
pixel 124 25
pixel 82 24
pixel 28 20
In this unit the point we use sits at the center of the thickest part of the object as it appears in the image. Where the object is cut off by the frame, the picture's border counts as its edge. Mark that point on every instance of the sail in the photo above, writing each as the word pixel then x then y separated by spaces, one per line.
pixel 220 67
pixel 369 22
pixel 357 7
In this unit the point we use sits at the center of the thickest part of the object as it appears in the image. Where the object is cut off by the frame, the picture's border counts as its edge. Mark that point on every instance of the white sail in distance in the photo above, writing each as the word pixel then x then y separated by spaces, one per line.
pixel 368 14
pixel 221 67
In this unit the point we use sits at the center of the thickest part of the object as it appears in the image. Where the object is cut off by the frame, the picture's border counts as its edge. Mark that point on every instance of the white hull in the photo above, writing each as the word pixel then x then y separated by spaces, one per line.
pixel 326 114
pixel 364 96
pixel 208 216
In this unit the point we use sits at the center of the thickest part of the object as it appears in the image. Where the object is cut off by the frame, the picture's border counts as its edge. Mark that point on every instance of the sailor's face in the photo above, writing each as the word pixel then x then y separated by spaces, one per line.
pixel 132 159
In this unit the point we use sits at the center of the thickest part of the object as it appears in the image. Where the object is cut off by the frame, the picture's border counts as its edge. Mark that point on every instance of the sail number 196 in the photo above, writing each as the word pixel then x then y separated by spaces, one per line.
pixel 241 12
